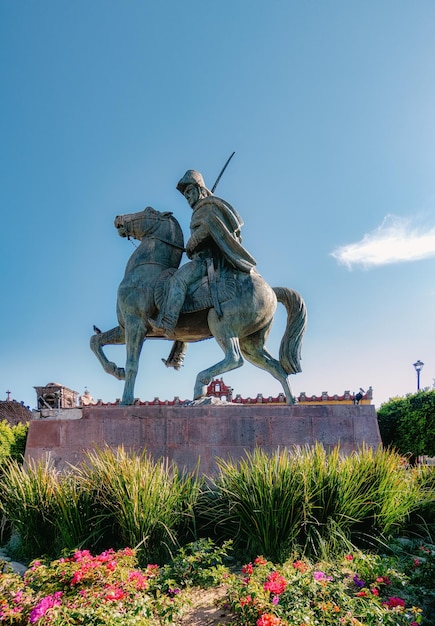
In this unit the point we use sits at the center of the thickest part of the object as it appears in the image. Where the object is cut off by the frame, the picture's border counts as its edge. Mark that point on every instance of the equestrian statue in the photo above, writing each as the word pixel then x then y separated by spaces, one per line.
pixel 217 293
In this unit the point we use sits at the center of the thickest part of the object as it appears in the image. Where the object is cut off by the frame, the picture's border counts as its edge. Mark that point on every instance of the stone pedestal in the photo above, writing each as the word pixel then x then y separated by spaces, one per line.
pixel 187 435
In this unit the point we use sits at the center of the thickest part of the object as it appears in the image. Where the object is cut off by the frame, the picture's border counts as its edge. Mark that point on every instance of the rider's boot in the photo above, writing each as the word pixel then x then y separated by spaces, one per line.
pixel 163 325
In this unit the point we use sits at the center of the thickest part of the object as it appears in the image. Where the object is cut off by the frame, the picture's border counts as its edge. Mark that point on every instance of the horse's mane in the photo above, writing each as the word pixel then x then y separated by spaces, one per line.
pixel 177 231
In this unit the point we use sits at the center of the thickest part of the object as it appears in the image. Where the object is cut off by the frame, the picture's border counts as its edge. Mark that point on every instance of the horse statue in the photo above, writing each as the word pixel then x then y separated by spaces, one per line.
pixel 247 305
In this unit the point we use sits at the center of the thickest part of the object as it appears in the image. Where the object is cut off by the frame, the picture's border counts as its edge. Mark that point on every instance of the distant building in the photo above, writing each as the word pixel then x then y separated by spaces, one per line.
pixel 56 396
pixel 14 412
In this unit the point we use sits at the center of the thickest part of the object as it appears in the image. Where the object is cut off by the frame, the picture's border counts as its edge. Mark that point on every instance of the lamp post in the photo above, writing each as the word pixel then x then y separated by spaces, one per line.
pixel 418 367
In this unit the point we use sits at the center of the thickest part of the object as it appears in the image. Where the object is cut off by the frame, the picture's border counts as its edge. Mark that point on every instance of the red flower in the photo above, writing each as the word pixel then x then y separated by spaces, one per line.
pixel 260 561
pixel 114 593
pixel 275 583
pixel 349 557
pixel 247 569
pixel 301 566
pixel 394 601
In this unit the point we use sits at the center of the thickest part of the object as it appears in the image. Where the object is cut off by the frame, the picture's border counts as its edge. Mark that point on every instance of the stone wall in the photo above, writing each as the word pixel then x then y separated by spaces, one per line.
pixel 188 435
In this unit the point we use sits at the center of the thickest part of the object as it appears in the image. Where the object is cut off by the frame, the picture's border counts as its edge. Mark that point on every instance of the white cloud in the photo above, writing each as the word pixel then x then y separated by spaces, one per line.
pixel 396 240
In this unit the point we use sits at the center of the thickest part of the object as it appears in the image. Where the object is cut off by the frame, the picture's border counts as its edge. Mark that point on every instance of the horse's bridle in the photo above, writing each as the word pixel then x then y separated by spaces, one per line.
pixel 149 234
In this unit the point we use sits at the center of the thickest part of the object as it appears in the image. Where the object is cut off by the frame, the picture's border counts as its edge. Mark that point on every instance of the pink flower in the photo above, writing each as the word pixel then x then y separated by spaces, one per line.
pixel 44 605
pixel 114 593
pixel 394 601
pixel 275 583
pixel 349 557
pixel 138 578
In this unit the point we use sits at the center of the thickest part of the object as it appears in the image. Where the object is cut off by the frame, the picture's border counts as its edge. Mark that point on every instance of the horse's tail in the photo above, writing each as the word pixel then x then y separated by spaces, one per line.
pixel 290 348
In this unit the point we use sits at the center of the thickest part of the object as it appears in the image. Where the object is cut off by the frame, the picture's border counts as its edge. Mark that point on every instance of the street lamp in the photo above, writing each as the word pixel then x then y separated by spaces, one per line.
pixel 418 367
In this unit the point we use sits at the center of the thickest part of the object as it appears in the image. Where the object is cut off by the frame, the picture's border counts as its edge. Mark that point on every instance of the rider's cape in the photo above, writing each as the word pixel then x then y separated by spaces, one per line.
pixel 223 225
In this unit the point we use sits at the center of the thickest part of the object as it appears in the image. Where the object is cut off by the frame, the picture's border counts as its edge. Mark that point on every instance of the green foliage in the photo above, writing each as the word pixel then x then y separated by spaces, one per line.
pixel 26 500
pixel 145 504
pixel 408 424
pixel 113 499
pixel 18 446
pixel 200 563
pixel 12 441
pixel 309 500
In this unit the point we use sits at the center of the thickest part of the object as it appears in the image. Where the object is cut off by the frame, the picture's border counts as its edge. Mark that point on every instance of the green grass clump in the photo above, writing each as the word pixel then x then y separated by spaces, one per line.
pixel 311 501
pixel 139 502
pixel 112 500
pixel 26 501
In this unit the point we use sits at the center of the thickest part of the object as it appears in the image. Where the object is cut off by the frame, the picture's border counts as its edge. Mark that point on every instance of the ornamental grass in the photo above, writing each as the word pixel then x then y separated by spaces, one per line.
pixel 113 499
pixel 311 501
pixel 139 502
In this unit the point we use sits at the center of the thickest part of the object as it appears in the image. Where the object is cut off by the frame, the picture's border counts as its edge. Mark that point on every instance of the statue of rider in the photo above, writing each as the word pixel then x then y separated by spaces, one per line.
pixel 214 243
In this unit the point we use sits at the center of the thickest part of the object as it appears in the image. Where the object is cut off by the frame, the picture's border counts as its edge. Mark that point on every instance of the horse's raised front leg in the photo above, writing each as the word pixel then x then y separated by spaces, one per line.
pixel 115 336
pixel 135 332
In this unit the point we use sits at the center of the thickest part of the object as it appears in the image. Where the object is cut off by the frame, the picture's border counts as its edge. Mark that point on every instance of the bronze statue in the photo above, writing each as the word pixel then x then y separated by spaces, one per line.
pixel 218 293
pixel 213 247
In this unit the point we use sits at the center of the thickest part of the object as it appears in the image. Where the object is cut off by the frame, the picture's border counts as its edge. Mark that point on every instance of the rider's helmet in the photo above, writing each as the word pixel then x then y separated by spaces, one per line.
pixel 191 177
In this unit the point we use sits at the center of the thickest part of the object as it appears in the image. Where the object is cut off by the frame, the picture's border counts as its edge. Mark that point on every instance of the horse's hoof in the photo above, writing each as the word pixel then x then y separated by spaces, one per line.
pixel 120 373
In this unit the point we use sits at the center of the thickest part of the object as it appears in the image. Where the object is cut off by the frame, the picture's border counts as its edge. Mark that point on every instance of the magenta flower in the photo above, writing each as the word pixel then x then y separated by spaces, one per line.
pixel 44 605
pixel 394 601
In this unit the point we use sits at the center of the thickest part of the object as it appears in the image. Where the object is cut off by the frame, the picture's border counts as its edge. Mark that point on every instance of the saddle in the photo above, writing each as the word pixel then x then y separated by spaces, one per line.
pixel 210 291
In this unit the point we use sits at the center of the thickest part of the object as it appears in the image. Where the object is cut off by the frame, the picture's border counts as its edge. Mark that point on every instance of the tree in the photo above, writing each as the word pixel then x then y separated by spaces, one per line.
pixel 408 424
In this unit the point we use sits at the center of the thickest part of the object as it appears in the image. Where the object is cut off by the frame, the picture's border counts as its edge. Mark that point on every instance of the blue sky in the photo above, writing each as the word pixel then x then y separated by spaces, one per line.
pixel 330 109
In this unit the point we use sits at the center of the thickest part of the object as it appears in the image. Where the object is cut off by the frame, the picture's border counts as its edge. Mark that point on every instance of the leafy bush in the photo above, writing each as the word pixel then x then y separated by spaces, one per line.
pixel 361 589
pixel 12 441
pixel 200 563
pixel 408 424
pixel 107 589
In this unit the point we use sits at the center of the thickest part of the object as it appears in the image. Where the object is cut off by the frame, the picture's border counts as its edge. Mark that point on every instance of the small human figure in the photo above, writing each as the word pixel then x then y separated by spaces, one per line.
pixel 214 242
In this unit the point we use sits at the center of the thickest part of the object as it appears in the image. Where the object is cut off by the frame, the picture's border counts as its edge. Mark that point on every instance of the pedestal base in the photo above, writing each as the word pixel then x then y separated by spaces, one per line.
pixel 187 435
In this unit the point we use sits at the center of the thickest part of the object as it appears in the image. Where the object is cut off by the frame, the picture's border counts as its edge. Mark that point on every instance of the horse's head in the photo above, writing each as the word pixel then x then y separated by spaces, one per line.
pixel 149 222
pixel 136 225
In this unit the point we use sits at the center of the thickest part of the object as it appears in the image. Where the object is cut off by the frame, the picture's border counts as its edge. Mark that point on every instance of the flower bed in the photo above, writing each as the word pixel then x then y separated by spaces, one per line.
pixel 361 591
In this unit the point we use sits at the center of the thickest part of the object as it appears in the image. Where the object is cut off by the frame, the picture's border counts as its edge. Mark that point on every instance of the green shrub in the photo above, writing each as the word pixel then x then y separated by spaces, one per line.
pixel 357 589
pixel 408 424
pixel 309 500
pixel 12 441
pixel 200 563
pixel 81 589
